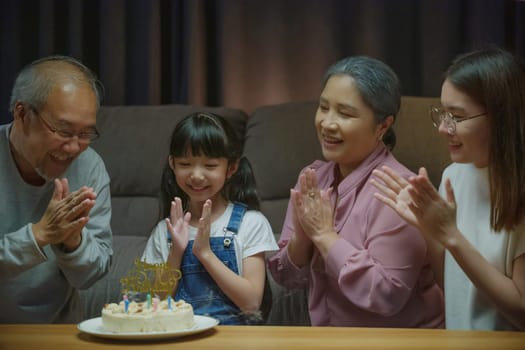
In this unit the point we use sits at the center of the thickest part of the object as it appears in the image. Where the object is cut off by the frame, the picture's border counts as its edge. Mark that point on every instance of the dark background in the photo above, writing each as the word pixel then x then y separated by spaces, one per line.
pixel 247 53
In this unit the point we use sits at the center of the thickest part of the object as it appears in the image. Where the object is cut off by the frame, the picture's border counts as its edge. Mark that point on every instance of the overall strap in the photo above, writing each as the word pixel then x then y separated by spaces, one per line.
pixel 235 219
pixel 235 222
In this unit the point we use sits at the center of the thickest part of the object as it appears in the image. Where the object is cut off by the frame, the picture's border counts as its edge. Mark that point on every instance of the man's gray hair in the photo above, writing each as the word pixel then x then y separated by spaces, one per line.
pixel 36 80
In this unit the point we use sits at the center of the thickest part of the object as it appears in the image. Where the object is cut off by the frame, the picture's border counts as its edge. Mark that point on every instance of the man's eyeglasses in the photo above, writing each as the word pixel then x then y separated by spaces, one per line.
pixel 66 135
pixel 439 115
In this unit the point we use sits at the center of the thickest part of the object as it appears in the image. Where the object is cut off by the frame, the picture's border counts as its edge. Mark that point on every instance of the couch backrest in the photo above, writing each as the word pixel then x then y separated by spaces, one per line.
pixel 279 141
pixel 134 145
pixel 418 142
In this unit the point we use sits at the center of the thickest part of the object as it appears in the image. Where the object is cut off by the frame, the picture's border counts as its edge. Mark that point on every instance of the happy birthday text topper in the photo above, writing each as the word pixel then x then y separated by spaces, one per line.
pixel 150 278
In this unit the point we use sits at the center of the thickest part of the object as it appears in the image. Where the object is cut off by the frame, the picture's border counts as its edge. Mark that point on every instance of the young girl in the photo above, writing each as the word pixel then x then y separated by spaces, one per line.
pixel 214 232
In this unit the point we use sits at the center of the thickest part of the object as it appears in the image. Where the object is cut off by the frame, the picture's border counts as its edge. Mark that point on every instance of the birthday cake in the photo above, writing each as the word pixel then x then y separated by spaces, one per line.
pixel 135 317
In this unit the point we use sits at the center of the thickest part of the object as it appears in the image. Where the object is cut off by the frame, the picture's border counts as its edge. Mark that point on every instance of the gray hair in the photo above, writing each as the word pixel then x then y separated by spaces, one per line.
pixel 35 81
pixel 378 85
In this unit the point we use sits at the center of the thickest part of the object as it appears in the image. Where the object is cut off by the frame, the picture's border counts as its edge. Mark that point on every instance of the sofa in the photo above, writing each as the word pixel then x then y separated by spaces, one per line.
pixel 279 140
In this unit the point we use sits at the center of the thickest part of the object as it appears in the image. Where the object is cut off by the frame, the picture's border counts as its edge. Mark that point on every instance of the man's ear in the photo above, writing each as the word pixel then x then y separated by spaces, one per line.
pixel 232 169
pixel 21 117
pixel 20 111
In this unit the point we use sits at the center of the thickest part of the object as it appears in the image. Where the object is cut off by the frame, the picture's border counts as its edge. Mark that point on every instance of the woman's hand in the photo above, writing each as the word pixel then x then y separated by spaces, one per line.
pixel 178 224
pixel 313 211
pixel 419 203
pixel 394 193
pixel 437 216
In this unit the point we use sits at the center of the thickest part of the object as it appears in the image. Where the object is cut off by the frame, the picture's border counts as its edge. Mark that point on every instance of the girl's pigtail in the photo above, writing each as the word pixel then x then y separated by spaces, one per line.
pixel 169 190
pixel 242 187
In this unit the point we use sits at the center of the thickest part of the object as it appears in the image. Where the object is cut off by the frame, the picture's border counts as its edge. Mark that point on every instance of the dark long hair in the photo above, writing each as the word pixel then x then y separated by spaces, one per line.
pixel 209 135
pixel 495 79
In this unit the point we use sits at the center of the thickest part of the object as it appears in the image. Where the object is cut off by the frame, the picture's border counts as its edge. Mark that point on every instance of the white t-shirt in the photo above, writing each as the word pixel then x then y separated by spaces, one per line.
pixel 466 307
pixel 255 236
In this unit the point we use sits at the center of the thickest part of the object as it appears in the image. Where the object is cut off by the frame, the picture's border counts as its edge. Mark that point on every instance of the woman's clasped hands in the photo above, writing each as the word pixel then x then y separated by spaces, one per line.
pixel 313 211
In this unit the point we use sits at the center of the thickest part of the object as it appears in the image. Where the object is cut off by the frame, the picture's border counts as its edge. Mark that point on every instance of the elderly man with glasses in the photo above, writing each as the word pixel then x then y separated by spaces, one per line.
pixel 55 235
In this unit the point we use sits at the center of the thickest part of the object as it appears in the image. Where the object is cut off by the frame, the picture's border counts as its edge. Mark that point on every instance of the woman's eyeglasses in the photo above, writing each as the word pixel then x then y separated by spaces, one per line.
pixel 439 115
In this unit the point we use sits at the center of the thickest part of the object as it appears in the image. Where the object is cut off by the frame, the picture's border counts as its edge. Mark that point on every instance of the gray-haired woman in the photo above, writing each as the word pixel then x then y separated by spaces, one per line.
pixel 363 264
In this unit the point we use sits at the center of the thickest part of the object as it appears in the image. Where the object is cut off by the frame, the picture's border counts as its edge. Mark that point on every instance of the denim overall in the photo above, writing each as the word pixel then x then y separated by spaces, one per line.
pixel 199 289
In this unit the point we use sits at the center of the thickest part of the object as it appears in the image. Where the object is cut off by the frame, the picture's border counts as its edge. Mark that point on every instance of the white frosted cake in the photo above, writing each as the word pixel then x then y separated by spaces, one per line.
pixel 141 318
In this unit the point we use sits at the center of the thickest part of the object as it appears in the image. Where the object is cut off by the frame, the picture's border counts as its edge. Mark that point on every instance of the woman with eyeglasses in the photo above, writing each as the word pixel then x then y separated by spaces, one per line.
pixel 475 224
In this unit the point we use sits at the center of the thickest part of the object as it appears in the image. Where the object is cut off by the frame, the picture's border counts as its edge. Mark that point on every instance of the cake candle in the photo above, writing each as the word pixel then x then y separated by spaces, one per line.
pixel 169 302
pixel 126 303
pixel 155 304
pixel 149 300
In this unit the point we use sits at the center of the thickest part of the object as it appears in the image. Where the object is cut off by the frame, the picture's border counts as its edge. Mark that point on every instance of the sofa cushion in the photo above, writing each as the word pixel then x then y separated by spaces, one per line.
pixel 280 141
pixel 418 142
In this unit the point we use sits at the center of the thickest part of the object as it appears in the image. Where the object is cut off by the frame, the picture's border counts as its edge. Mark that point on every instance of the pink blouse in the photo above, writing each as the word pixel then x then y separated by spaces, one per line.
pixel 376 274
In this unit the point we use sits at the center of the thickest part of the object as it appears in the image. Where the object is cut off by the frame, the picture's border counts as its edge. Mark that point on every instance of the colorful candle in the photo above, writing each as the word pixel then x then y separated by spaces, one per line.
pixel 155 303
pixel 149 300
pixel 169 302
pixel 126 303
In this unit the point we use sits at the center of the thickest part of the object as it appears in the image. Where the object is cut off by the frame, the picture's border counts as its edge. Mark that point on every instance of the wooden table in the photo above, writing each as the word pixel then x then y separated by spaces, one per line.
pixel 67 337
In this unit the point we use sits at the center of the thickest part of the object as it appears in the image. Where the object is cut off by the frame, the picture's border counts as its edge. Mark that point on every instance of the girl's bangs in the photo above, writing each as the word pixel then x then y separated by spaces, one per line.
pixel 200 140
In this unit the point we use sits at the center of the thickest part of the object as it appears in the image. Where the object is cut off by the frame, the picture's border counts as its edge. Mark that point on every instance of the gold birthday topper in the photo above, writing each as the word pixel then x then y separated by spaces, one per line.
pixel 152 278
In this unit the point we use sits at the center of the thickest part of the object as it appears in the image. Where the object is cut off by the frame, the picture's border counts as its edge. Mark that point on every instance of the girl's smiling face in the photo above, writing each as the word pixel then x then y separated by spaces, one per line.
pixel 201 177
